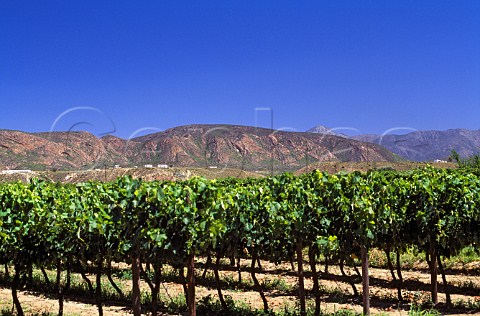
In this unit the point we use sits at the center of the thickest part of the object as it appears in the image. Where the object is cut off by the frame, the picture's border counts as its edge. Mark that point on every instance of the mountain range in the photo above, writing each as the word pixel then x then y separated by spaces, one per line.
pixel 232 146
pixel 212 145
pixel 421 145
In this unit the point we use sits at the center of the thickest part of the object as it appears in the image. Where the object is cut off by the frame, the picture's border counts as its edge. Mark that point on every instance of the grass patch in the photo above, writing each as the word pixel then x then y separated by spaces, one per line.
pixel 417 311
pixel 8 312
pixel 413 257
pixel 470 304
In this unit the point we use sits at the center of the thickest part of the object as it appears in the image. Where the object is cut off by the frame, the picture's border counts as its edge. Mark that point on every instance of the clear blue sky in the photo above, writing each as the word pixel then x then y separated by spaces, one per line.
pixel 151 65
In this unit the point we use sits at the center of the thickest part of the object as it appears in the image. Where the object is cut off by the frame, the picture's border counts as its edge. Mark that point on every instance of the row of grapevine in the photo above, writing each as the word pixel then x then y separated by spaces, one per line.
pixel 89 225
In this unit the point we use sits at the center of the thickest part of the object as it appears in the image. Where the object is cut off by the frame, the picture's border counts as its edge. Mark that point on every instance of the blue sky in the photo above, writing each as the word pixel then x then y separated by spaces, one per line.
pixel 135 67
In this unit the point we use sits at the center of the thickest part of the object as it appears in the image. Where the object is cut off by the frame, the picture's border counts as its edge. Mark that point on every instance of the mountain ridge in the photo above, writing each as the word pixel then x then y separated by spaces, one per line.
pixel 199 145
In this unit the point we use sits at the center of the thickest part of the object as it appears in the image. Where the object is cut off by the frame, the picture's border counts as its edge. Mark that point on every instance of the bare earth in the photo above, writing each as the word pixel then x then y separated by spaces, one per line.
pixel 465 287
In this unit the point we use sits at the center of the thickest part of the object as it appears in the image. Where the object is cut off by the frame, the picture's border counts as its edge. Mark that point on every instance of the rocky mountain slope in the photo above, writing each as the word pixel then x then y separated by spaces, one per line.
pixel 241 147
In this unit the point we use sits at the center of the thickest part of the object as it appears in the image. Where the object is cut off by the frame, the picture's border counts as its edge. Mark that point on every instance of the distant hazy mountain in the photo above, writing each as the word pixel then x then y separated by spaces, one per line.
pixel 320 129
pixel 428 145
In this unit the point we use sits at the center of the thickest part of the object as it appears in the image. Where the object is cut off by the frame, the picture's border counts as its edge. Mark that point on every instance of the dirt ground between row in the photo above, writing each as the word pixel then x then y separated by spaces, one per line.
pixel 381 291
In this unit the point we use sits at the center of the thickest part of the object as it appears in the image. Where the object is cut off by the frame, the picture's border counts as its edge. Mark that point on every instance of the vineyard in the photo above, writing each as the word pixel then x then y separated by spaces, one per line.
pixel 302 220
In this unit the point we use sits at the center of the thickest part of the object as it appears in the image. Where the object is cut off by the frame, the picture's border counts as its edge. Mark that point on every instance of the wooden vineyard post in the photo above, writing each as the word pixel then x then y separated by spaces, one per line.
pixel 365 281
pixel 433 273
pixel 191 284
pixel 136 303
pixel 301 285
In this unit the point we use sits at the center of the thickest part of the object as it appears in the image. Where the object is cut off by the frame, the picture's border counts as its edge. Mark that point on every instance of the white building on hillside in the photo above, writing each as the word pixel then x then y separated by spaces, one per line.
pixel 16 171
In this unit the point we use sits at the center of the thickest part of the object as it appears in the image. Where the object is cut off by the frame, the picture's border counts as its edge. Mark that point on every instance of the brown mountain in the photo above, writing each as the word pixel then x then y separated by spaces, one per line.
pixel 243 147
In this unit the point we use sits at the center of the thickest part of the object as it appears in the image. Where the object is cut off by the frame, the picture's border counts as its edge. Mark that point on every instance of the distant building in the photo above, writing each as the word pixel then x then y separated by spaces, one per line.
pixel 439 160
pixel 212 167
pixel 117 166
pixel 163 166
pixel 16 171
pixel 148 166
